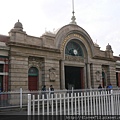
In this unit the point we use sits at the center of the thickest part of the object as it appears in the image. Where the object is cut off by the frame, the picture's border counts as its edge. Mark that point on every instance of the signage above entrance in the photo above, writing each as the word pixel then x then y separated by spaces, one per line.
pixel 69 37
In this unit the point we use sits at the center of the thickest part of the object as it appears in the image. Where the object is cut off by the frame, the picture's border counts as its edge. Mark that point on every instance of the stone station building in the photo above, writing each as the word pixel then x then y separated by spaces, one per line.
pixel 66 58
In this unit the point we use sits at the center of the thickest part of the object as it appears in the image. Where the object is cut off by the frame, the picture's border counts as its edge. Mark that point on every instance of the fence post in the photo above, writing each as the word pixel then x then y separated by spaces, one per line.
pixel 29 104
pixel 20 97
pixel 112 102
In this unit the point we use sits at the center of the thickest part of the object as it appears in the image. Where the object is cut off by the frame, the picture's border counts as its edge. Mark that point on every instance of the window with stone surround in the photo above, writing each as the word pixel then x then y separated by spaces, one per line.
pixel 73 49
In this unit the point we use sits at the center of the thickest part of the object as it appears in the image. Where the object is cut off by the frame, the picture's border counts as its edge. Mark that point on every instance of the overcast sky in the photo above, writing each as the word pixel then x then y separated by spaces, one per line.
pixel 100 18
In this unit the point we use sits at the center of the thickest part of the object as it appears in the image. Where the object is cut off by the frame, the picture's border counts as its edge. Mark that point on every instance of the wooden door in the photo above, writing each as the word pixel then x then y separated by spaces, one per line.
pixel 33 83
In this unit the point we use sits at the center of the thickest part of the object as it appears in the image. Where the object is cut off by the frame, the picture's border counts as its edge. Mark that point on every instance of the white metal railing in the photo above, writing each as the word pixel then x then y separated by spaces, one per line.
pixel 79 103
pixel 19 98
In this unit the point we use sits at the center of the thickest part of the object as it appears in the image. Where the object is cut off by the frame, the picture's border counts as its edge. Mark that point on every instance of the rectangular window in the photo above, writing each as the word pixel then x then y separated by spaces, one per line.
pixel 1 67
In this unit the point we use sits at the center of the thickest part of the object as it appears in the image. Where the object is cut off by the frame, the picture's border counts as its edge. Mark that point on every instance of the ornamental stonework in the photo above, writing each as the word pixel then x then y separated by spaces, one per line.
pixel 74 58
pixel 52 74
pixel 35 61
pixel 97 76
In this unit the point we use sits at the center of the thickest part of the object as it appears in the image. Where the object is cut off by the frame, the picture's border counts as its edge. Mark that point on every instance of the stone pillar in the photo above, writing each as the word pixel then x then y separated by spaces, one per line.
pixel 118 79
pixel 62 75
pixel 85 77
pixel 88 76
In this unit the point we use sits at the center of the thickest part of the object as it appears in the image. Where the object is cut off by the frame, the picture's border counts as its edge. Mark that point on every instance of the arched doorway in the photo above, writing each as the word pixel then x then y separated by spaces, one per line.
pixel 74 73
pixel 33 78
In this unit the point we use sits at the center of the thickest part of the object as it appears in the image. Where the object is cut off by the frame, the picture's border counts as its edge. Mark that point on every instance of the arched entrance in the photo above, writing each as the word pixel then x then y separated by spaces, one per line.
pixel 74 73
pixel 33 78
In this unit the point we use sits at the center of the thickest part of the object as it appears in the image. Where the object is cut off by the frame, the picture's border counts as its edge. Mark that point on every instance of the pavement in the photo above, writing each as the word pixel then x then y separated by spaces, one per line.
pixel 13 114
pixel 13 111
pixel 21 114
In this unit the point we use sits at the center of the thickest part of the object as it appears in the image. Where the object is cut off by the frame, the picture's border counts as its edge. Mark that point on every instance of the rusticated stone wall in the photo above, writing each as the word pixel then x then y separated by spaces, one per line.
pixel 18 72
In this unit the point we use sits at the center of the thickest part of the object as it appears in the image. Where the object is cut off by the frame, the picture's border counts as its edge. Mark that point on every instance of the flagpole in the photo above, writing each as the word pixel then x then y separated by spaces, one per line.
pixel 73 7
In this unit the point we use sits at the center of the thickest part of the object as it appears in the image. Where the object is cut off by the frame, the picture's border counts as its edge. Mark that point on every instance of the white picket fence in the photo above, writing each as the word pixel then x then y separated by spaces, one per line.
pixel 80 103
pixel 18 98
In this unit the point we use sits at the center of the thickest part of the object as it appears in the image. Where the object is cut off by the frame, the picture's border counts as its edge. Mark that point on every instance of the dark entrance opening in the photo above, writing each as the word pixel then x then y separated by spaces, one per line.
pixel 1 83
pixel 73 77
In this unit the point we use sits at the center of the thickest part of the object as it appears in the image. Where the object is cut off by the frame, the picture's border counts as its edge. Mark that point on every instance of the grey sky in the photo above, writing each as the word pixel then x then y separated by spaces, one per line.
pixel 100 18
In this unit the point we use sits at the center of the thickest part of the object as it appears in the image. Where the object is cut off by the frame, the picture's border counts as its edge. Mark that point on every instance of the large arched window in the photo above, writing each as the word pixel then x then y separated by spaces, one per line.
pixel 73 48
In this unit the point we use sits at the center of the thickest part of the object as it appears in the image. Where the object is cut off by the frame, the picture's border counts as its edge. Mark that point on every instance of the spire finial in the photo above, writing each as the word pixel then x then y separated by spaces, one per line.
pixel 73 12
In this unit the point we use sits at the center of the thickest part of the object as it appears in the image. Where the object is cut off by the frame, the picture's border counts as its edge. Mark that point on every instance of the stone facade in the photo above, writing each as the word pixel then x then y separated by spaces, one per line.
pixel 48 55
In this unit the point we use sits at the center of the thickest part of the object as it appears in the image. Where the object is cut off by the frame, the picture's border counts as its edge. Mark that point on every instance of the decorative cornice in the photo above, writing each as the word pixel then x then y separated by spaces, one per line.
pixel 104 58
pixel 33 47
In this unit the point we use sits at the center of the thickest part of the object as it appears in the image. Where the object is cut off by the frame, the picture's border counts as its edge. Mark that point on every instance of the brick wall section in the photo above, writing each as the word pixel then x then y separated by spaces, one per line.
pixel 5 72
pixel 4 38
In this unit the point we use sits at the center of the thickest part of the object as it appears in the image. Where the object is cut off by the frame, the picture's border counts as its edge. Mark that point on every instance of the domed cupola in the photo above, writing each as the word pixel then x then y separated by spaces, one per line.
pixel 18 25
pixel 108 47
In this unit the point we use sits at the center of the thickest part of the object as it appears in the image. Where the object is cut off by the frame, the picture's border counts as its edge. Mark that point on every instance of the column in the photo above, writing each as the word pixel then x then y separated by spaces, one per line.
pixel 118 79
pixel 82 78
pixel 62 75
pixel 85 77
pixel 88 75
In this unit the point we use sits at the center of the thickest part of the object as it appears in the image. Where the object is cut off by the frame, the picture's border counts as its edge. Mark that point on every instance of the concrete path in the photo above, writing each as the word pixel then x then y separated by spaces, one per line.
pixel 13 112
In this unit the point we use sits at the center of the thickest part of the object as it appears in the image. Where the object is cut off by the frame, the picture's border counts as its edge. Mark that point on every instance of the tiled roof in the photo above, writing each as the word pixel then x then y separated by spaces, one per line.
pixel 117 58
pixel 4 38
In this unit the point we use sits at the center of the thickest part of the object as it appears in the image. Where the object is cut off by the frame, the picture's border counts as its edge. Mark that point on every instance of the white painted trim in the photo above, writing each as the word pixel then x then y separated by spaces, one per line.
pixel 2 62
pixel 118 61
pixel 117 66
pixel 4 73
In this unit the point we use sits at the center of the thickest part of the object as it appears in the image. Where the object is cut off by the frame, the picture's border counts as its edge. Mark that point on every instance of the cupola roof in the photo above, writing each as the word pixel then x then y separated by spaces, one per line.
pixel 18 25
